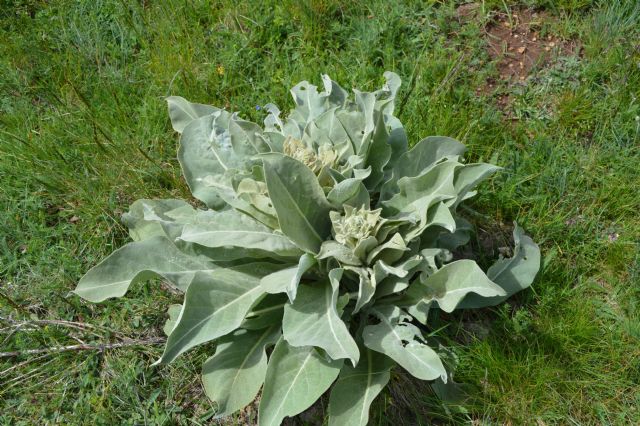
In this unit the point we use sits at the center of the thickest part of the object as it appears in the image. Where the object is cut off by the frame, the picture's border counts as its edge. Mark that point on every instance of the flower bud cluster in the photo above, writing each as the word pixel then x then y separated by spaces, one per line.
pixel 325 157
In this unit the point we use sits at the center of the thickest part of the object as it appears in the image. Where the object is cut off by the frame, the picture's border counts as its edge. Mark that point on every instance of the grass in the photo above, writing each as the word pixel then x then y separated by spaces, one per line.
pixel 84 132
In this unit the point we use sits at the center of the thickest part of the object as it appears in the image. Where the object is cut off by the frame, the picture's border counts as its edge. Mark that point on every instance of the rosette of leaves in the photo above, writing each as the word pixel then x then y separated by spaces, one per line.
pixel 324 244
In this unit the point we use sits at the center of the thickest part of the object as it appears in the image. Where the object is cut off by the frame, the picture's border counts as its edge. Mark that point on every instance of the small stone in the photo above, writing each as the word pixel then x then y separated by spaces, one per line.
pixel 521 49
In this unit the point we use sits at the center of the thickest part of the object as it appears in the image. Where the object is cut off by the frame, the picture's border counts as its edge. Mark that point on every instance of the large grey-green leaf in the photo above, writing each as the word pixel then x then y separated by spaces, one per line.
pixel 451 283
pixel 373 131
pixel 435 184
pixel 139 261
pixel 397 138
pixel 388 252
pixel 366 286
pixel 351 192
pixel 379 151
pixel 328 129
pixel 469 176
pixel 422 156
pixel 357 387
pixel 183 112
pixel 340 252
pixel 398 141
pixel 429 215
pixel 313 320
pixel 234 375
pixel 402 342
pixel 392 284
pixel 246 137
pixel 309 102
pixel 366 102
pixel 438 180
pixel 149 218
pixel 303 210
pixel 241 204
pixel 427 152
pixel 420 311
pixel 207 158
pixel 296 377
pixel 214 305
pixel 512 274
pixel 254 192
pixel 447 240
pixel 287 280
pixel 336 95
pixel 232 229
pixel 395 279
pixel 354 124
pixel 265 313
pixel 174 314
pixel 273 125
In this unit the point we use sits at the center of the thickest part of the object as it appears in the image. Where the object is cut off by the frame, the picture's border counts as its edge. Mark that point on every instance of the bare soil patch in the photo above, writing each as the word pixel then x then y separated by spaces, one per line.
pixel 516 42
pixel 519 44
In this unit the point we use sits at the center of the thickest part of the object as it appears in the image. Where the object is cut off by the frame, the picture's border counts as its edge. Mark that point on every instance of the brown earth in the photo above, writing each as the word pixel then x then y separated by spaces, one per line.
pixel 519 45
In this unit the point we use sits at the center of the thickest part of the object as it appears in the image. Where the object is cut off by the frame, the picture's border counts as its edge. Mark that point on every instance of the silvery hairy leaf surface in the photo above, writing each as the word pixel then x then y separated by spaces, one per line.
pixel 320 248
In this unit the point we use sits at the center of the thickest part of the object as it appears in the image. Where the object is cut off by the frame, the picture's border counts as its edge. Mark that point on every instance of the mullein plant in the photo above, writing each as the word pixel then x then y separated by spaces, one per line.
pixel 322 246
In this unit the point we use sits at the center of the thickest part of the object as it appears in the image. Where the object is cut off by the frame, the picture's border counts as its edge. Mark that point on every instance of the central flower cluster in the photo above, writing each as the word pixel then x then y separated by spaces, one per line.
pixel 325 157
pixel 356 225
